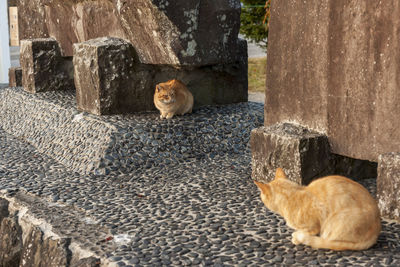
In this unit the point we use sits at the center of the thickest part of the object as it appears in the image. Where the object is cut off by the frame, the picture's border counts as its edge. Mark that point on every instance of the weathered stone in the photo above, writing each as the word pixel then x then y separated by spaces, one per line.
pixel 182 32
pixel 10 237
pixel 337 70
pixel 104 69
pixel 76 21
pixel 110 79
pixel 43 68
pixel 388 185
pixel 304 155
pixel 15 76
pixel 39 250
pixel 32 19
pixel 163 32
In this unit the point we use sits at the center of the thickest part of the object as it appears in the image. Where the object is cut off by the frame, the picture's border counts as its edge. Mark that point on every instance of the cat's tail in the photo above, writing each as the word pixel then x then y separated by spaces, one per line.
pixel 321 243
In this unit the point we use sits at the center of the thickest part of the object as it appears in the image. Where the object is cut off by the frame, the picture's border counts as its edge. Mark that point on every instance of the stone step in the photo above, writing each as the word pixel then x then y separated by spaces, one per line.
pixel 88 143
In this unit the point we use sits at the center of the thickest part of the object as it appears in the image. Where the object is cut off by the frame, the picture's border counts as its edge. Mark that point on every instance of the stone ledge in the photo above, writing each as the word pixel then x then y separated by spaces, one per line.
pixel 34 232
pixel 89 144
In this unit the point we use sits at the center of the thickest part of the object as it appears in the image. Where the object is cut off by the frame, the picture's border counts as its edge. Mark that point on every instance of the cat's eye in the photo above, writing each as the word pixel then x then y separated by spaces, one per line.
pixel 158 88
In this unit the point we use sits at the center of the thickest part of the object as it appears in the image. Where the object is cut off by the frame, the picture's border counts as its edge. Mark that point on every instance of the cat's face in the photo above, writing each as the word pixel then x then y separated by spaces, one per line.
pixel 269 192
pixel 165 93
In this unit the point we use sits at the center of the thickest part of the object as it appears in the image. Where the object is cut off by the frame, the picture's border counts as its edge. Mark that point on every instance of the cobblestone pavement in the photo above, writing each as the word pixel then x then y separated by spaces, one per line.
pixel 204 212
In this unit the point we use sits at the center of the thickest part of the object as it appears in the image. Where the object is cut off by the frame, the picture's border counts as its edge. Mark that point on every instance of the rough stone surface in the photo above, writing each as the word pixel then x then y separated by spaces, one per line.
pixel 303 154
pixel 103 71
pixel 15 76
pixel 337 71
pixel 119 83
pixel 200 212
pixel 10 238
pixel 164 32
pixel 182 32
pixel 32 19
pixel 123 143
pixel 388 183
pixel 41 251
pixel 43 68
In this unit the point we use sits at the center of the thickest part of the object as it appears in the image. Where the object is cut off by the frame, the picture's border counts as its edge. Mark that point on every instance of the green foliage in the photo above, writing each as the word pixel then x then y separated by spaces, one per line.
pixel 254 21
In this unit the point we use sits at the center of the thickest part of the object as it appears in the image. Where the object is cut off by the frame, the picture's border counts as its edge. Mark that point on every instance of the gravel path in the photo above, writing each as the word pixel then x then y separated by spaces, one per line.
pixel 202 211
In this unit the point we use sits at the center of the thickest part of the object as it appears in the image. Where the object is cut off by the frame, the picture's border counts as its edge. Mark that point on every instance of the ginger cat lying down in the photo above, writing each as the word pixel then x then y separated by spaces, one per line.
pixel 172 98
pixel 333 212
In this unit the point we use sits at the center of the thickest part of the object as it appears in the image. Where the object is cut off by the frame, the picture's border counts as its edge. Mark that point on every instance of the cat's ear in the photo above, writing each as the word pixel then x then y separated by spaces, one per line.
pixel 264 188
pixel 280 174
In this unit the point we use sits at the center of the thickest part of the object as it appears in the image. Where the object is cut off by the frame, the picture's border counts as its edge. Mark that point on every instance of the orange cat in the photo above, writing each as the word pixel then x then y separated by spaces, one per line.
pixel 173 98
pixel 333 212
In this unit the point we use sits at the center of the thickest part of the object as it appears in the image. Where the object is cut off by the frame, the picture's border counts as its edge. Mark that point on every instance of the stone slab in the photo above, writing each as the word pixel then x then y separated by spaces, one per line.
pixel 340 76
pixel 304 155
pixel 163 32
pixel 43 67
pixel 15 76
pixel 388 185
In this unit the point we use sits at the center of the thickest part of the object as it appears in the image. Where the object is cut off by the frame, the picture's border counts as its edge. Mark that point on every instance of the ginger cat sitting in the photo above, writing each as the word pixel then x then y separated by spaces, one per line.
pixel 333 212
pixel 173 98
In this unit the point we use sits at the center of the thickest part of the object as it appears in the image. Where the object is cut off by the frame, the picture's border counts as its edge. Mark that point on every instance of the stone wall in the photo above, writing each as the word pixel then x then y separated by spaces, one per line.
pixel 337 70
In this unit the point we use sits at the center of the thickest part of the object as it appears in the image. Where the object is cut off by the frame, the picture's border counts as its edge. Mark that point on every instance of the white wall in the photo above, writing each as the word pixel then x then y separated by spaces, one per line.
pixel 4 43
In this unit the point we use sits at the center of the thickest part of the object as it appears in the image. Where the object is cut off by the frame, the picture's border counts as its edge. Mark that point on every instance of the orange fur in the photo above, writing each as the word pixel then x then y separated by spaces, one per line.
pixel 172 98
pixel 333 212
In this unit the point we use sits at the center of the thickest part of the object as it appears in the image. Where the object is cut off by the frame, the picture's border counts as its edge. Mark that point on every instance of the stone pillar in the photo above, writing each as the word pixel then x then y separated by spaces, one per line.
pixel 103 76
pixel 15 76
pixel 304 155
pixel 340 76
pixel 388 185
pixel 43 67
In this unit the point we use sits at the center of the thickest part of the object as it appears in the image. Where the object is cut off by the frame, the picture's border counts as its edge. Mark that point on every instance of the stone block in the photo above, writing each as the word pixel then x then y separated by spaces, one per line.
pixel 303 154
pixel 388 185
pixel 178 32
pixel 15 76
pixel 43 67
pixel 163 32
pixel 104 69
pixel 110 79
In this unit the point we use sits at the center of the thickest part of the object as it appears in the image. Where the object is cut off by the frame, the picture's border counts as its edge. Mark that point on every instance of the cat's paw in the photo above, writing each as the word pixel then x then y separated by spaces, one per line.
pixel 298 237
pixel 169 116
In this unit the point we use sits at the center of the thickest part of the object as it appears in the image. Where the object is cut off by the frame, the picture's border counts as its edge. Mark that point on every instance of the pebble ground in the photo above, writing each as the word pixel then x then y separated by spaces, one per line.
pixel 200 212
